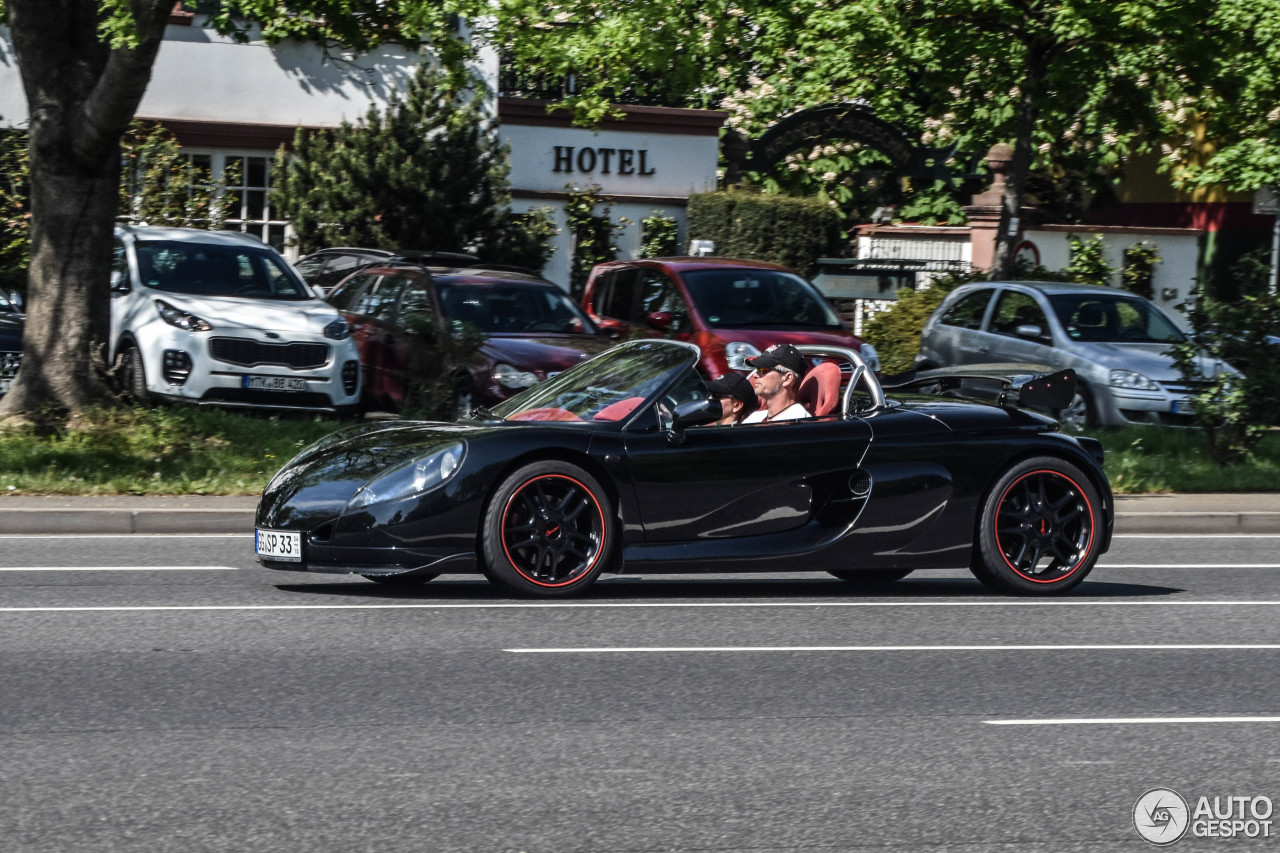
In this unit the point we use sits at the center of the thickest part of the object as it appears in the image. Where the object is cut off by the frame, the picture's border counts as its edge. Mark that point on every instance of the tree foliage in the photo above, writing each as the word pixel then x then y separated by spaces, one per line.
pixel 428 172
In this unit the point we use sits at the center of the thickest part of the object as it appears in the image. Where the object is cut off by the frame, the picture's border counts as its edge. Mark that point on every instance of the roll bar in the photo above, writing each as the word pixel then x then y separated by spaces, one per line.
pixel 861 373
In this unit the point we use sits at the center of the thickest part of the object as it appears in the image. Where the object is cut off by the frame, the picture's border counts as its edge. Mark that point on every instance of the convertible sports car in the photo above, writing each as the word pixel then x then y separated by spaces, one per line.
pixel 616 466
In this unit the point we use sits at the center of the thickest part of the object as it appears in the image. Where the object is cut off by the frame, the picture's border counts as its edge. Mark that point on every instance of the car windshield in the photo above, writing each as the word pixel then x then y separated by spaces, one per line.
pixel 744 298
pixel 512 308
pixel 1103 317
pixel 609 387
pixel 206 269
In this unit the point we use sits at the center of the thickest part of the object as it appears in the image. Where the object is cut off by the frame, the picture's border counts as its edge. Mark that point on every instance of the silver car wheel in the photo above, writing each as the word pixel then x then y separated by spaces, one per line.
pixel 1076 415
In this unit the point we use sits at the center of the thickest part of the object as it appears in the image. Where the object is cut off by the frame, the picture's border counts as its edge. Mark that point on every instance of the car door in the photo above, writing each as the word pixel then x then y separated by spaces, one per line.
pixel 412 341
pixel 613 306
pixel 726 482
pixel 957 337
pixel 660 309
pixel 1020 331
pixel 368 303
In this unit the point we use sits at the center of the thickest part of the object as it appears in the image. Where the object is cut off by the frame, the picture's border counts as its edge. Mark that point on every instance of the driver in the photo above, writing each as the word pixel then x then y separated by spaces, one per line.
pixel 737 398
pixel 778 371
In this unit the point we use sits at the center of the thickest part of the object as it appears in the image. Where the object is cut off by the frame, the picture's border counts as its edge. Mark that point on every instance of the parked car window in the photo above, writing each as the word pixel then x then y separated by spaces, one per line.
pixel 1016 309
pixel 203 269
pixel 619 302
pixel 345 297
pixel 416 310
pixel 379 299
pixel 659 293
pixel 309 268
pixel 496 308
pixel 734 298
pixel 967 312
pixel 1110 318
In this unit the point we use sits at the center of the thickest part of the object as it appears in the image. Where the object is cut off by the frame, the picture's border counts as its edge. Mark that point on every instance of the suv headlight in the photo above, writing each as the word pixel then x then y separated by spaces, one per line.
pixel 871 357
pixel 181 319
pixel 338 330
pixel 508 377
pixel 737 353
pixel 410 479
pixel 1133 381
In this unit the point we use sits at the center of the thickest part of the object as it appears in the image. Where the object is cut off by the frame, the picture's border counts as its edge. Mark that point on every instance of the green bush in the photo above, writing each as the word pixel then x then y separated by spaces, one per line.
pixel 895 333
pixel 794 232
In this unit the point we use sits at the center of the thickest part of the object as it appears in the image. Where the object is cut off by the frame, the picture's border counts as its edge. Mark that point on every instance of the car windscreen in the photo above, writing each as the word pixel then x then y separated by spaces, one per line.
pixel 512 308
pixel 1107 318
pixel 744 298
pixel 606 388
pixel 205 269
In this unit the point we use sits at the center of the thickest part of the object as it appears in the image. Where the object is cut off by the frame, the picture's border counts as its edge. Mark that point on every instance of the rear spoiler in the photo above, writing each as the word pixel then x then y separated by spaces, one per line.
pixel 1007 385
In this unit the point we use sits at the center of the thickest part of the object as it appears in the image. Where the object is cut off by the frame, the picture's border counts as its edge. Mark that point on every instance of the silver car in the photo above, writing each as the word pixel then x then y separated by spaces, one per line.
pixel 1117 342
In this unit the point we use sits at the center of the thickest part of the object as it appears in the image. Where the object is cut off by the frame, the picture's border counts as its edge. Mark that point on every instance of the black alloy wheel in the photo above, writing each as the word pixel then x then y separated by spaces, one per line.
pixel 870 576
pixel 1039 529
pixel 549 530
pixel 404 579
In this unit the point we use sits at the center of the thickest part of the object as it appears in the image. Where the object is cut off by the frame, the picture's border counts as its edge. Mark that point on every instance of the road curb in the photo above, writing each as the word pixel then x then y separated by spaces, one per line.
pixel 34 522
pixel 1197 522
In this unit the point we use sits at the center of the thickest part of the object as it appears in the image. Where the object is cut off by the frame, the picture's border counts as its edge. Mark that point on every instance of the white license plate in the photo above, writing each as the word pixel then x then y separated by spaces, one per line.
pixel 1182 407
pixel 273 383
pixel 283 545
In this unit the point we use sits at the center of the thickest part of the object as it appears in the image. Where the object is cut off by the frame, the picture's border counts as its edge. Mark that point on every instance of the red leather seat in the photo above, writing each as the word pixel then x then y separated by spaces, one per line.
pixel 820 390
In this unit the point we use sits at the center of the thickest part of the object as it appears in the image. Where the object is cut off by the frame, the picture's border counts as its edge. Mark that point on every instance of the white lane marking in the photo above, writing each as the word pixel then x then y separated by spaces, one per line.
pixel 118 569
pixel 1005 648
pixel 636 605
pixel 1113 721
pixel 1186 566
pixel 1196 536
pixel 126 536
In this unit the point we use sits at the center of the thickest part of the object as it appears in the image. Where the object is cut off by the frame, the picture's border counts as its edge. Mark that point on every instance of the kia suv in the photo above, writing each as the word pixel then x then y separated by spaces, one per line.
pixel 220 317
pixel 732 309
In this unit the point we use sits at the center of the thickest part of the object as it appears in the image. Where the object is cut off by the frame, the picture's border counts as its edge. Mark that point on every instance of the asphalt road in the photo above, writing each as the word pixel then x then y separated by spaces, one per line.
pixel 164 693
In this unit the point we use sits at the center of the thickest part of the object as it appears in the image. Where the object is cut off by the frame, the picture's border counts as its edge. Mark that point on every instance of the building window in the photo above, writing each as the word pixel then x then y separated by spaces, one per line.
pixel 247 179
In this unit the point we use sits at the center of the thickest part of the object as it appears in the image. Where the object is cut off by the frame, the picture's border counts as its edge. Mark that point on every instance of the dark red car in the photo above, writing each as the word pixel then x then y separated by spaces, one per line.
pixel 732 309
pixel 534 330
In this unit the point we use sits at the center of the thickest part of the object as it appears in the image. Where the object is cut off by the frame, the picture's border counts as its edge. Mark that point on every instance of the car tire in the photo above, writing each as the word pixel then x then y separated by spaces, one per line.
pixel 1039 529
pixel 133 376
pixel 549 531
pixel 1080 413
pixel 870 576
pixel 401 580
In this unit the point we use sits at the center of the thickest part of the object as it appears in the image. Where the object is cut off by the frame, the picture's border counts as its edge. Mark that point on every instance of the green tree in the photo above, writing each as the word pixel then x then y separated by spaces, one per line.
pixel 85 65
pixel 15 209
pixel 159 185
pixel 428 172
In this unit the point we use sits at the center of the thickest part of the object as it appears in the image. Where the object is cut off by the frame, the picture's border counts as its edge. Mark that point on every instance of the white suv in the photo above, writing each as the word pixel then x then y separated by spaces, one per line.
pixel 219 317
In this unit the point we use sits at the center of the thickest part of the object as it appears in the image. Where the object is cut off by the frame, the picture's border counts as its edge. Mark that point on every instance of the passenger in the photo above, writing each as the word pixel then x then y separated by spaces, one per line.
pixel 737 398
pixel 778 371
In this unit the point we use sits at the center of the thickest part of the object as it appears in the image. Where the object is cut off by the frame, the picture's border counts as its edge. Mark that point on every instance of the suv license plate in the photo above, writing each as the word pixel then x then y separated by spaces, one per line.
pixel 1182 407
pixel 273 383
pixel 285 545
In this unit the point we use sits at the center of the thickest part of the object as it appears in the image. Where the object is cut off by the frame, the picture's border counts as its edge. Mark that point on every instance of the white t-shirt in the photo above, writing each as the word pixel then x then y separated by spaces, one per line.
pixel 762 416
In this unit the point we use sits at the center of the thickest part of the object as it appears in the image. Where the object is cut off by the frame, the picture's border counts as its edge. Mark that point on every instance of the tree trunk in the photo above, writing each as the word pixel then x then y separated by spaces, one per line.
pixel 1011 224
pixel 81 96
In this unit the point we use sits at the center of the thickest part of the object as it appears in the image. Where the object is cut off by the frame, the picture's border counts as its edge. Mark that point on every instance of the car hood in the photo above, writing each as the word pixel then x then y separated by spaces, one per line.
pixel 1149 359
pixel 11 328
pixel 316 485
pixel 763 338
pixel 545 352
pixel 275 315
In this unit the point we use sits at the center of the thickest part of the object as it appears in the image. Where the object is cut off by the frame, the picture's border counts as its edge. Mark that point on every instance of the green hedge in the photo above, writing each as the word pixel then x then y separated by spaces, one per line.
pixel 794 232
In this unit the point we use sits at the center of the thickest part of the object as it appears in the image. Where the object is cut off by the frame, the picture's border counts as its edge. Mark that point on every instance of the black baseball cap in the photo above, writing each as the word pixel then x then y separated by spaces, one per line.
pixel 735 385
pixel 780 355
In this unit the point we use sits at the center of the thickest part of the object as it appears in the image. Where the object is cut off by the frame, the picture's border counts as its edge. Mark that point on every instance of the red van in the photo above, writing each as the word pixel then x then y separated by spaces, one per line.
pixel 731 309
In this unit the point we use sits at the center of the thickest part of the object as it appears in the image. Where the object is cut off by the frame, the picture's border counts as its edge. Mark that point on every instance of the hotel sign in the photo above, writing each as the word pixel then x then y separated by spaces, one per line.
pixel 600 160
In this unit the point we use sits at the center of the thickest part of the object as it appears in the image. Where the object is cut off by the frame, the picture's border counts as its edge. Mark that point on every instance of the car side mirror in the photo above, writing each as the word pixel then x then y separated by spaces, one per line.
pixel 119 284
pixel 1030 331
pixel 693 413
pixel 661 320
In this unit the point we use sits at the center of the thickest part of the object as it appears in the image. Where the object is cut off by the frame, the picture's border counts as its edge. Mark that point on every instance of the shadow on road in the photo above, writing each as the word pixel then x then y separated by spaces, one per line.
pixel 641 588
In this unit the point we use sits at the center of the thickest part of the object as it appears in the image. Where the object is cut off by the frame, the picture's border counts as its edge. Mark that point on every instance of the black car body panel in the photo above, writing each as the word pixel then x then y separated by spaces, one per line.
pixel 898 485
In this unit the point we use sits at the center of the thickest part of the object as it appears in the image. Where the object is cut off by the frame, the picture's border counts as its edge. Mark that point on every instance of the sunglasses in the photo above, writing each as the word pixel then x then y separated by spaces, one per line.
pixel 765 371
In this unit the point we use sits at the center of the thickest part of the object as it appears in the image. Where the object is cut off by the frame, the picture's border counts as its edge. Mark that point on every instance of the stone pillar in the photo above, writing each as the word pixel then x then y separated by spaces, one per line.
pixel 984 208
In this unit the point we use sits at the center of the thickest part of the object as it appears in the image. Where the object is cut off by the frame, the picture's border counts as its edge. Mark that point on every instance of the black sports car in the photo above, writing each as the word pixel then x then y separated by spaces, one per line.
pixel 615 466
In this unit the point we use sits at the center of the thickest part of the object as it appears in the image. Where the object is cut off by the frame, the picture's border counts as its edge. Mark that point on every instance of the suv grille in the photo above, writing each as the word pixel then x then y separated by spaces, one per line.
pixel 250 353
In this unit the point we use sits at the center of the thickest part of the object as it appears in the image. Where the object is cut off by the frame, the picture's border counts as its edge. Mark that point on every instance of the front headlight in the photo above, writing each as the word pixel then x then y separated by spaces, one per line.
pixel 1132 381
pixel 870 356
pixel 737 353
pixel 411 479
pixel 181 319
pixel 508 377
pixel 338 330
